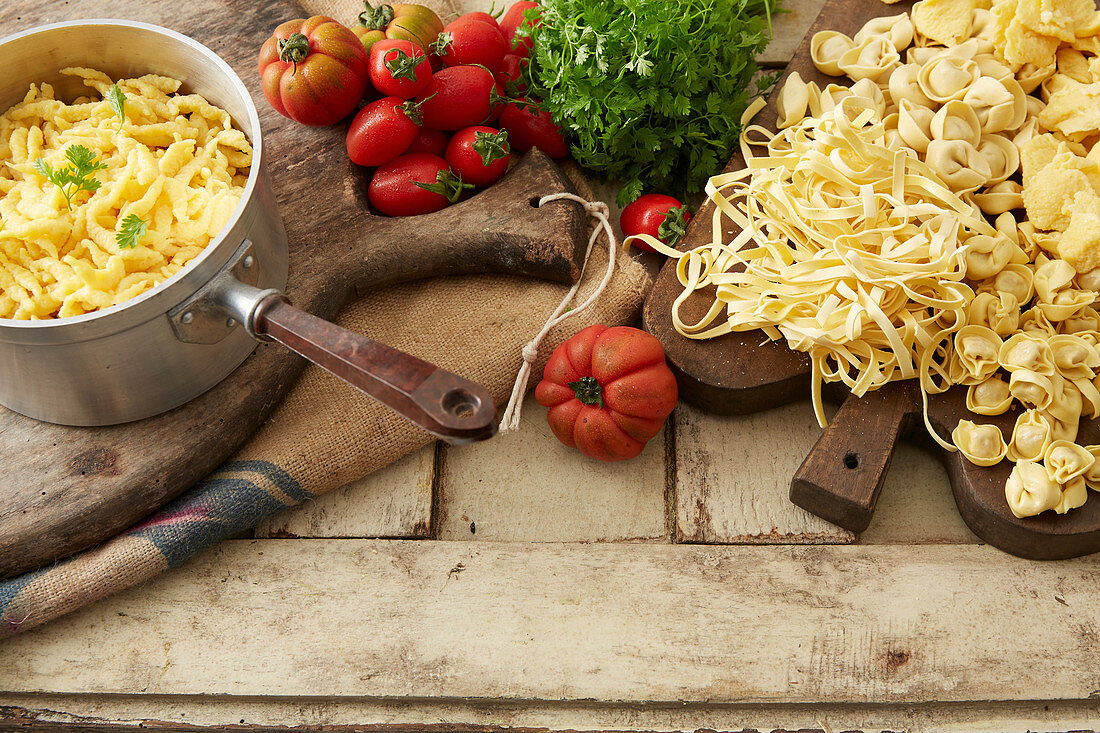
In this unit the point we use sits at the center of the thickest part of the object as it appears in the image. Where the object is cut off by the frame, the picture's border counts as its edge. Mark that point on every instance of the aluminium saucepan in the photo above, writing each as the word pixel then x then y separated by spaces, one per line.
pixel 177 340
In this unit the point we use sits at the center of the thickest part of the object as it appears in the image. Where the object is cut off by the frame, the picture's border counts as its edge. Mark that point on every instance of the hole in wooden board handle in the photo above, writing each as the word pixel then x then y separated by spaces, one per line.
pixel 841 478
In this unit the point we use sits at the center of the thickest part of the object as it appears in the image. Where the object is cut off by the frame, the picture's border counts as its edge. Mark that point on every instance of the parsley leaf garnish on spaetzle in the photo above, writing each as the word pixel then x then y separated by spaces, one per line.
pixel 75 177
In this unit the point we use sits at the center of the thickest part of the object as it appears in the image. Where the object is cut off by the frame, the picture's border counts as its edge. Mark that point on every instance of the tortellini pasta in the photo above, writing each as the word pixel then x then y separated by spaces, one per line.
pixel 999 312
pixel 983 445
pixel 946 77
pixel 958 163
pixel 976 348
pixel 1031 436
pixel 1074 357
pixel 1074 494
pixel 990 397
pixel 826 48
pixel 1030 491
pixel 1027 352
pixel 1065 461
pixel 793 101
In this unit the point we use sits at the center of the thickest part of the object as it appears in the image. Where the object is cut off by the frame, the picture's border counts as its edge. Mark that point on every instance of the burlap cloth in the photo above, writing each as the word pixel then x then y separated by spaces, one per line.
pixel 326 434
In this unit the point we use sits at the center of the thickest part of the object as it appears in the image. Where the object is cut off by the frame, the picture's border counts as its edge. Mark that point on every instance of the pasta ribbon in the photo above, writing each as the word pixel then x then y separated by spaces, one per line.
pixel 850 249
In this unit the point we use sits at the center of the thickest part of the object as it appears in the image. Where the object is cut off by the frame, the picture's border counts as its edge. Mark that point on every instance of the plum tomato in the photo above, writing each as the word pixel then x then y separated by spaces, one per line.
pixel 382 130
pixel 399 68
pixel 419 183
pixel 428 141
pixel 510 75
pixel 460 96
pixel 529 126
pixel 470 41
pixel 517 42
pixel 479 154
pixel 484 17
pixel 662 217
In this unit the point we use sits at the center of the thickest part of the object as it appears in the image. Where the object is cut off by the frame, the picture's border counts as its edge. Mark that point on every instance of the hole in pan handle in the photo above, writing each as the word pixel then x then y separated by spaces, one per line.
pixel 448 406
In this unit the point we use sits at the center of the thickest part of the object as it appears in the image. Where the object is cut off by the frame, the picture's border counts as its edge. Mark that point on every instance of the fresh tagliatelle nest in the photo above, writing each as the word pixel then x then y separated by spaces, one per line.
pixel 880 229
pixel 168 171
pixel 852 251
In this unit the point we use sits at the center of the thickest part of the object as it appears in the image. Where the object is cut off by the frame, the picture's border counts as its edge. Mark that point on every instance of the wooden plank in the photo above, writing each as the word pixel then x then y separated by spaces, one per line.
pixel 393 502
pixel 167 713
pixel 788 28
pixel 733 474
pixel 632 623
pixel 528 486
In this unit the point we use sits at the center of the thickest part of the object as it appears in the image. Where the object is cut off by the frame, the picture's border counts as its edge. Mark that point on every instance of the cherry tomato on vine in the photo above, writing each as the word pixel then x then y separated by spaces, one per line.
pixel 470 41
pixel 428 141
pixel 518 42
pixel 530 126
pixel 382 131
pixel 414 184
pixel 661 217
pixel 479 154
pixel 399 68
pixel 460 96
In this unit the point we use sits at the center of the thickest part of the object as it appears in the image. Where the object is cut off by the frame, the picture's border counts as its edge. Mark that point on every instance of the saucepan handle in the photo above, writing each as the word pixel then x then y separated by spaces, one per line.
pixel 448 406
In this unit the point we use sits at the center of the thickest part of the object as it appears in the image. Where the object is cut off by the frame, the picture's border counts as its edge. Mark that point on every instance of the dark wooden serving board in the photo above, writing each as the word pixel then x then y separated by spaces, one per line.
pixel 66 488
pixel 841 478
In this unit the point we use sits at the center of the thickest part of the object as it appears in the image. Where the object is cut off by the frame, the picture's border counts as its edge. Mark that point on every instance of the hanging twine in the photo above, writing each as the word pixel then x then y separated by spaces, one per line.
pixel 598 210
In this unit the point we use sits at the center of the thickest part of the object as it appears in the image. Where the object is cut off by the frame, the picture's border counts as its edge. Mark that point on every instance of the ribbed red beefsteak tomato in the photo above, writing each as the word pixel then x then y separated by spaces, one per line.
pixel 609 391
pixel 314 71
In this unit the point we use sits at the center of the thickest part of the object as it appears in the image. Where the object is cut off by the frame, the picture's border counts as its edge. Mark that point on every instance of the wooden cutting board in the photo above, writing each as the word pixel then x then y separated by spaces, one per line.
pixel 67 488
pixel 841 478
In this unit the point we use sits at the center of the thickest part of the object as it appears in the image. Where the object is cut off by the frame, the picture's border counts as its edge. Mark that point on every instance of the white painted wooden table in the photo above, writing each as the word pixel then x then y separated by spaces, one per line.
pixel 677 591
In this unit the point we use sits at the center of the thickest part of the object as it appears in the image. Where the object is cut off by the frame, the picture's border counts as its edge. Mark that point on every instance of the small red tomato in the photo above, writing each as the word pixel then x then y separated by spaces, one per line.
pixel 460 96
pixel 470 41
pixel 518 42
pixel 428 141
pixel 414 184
pixel 399 68
pixel 382 131
pixel 483 17
pixel 479 154
pixel 313 71
pixel 609 391
pixel 510 75
pixel 657 215
pixel 530 126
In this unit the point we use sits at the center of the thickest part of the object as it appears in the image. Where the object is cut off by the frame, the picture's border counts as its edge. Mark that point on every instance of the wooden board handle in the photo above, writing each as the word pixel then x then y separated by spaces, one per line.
pixel 841 478
pixel 446 405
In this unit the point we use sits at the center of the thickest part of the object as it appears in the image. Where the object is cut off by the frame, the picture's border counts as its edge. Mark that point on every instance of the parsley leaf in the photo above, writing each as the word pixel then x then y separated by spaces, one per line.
pixel 649 92
pixel 117 100
pixel 130 230
pixel 74 177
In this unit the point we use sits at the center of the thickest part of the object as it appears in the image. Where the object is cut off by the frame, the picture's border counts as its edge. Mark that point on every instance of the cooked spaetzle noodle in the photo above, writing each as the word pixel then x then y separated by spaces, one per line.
pixel 175 161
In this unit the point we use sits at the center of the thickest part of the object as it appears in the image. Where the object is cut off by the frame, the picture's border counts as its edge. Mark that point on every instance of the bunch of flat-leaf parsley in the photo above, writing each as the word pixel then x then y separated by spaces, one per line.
pixel 650 92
